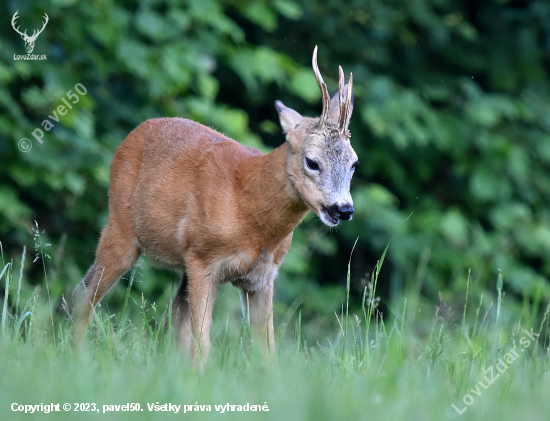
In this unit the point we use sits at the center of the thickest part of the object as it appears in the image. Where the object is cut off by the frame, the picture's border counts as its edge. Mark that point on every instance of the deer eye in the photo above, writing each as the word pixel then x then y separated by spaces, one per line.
pixel 354 165
pixel 312 165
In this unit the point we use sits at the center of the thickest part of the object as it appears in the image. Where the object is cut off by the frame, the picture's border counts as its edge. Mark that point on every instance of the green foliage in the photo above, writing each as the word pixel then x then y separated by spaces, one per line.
pixel 450 124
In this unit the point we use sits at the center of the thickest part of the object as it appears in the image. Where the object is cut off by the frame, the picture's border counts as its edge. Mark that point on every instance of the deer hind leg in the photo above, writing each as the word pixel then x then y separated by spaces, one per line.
pixel 196 312
pixel 259 304
pixel 181 315
pixel 116 253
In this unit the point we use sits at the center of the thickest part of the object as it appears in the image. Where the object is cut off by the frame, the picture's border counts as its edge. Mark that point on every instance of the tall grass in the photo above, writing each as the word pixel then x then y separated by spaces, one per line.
pixel 374 366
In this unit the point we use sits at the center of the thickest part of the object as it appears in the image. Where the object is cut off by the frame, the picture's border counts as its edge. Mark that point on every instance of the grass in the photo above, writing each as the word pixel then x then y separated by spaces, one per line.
pixel 413 365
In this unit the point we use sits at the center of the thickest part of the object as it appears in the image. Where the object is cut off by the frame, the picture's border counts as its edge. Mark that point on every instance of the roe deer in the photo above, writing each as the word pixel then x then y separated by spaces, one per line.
pixel 190 198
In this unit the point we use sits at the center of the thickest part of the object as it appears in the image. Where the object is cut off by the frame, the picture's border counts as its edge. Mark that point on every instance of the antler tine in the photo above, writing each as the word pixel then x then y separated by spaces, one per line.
pixel 343 123
pixel 13 24
pixel 43 25
pixel 324 90
pixel 341 100
pixel 47 19
pixel 349 97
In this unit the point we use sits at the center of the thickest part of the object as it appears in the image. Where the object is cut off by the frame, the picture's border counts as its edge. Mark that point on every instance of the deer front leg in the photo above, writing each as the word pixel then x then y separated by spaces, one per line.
pixel 260 305
pixel 198 318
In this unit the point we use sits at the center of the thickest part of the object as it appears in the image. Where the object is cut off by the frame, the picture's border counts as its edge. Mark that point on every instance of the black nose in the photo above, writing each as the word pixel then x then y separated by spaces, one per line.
pixel 341 212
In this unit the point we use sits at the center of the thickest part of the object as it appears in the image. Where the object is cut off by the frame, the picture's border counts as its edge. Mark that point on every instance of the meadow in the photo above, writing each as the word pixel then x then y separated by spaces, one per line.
pixel 487 360
pixel 451 123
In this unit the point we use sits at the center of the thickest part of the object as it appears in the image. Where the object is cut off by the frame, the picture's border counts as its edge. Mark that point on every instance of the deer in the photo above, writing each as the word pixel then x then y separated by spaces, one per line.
pixel 29 40
pixel 194 200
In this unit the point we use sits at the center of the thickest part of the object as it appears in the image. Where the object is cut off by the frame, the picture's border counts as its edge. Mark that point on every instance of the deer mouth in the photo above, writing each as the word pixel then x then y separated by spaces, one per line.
pixel 327 218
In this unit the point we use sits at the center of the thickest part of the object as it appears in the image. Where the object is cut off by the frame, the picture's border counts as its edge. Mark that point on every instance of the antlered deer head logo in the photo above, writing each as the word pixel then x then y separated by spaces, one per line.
pixel 29 40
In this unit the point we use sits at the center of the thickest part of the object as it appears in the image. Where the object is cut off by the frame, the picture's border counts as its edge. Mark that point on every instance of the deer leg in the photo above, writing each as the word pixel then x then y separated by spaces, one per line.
pixel 115 255
pixel 180 315
pixel 198 318
pixel 260 305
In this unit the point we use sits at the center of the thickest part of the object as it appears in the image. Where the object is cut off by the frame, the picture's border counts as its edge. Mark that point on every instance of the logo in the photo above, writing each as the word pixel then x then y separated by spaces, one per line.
pixel 29 40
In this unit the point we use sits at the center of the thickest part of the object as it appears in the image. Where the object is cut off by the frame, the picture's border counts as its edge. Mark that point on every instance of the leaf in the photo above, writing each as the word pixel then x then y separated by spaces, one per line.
pixel 454 227
pixel 303 84
pixel 259 13
pixel 289 9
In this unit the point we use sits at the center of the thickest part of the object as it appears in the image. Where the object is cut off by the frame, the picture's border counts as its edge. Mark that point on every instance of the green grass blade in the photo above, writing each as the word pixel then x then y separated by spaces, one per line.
pixel 5 271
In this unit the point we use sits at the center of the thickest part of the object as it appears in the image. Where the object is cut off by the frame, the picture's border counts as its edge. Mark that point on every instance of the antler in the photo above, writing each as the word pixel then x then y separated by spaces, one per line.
pixel 17 29
pixel 341 100
pixel 324 90
pixel 345 104
pixel 35 35
pixel 24 34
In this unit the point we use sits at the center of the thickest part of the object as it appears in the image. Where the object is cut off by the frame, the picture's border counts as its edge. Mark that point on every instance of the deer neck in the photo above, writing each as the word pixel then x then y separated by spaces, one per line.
pixel 273 207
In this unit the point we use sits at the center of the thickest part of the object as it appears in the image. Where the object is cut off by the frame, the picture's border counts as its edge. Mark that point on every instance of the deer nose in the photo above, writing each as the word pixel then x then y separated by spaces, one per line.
pixel 344 212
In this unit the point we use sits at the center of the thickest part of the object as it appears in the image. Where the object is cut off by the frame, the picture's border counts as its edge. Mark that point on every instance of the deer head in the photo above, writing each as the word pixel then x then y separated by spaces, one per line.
pixel 321 160
pixel 29 40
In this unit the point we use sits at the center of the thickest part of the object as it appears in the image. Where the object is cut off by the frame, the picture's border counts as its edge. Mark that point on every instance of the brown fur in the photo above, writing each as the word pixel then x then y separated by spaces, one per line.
pixel 192 199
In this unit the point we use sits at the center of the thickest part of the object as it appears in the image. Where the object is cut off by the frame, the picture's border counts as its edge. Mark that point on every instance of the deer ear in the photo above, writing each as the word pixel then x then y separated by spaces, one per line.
pixel 334 108
pixel 288 117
